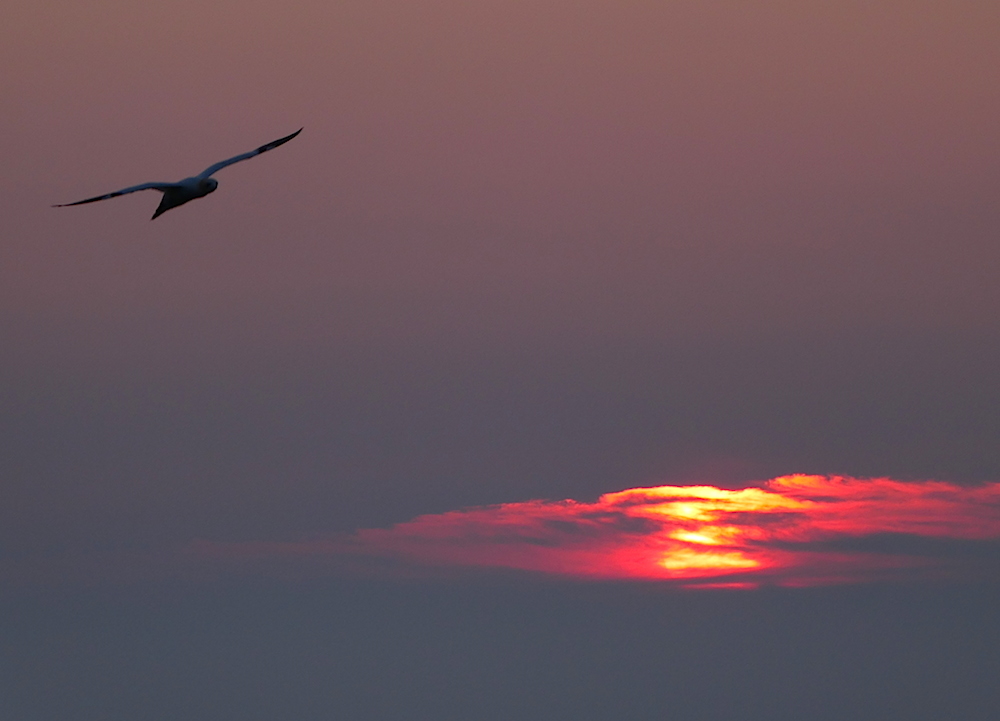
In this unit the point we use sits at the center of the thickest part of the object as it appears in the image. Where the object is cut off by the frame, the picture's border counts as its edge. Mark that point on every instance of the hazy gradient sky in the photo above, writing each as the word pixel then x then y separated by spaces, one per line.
pixel 521 250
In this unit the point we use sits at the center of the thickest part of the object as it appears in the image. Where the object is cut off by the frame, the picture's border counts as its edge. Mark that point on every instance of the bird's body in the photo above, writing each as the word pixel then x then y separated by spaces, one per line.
pixel 183 191
pixel 198 186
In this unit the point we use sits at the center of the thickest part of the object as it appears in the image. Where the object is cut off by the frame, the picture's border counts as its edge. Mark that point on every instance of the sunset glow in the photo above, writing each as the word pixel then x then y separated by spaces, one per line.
pixel 794 530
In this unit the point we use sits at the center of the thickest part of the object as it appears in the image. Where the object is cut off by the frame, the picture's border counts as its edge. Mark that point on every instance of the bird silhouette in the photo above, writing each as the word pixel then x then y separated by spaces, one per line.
pixel 198 186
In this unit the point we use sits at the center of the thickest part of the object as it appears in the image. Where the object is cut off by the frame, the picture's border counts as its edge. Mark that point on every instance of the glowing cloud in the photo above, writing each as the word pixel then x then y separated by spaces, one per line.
pixel 793 530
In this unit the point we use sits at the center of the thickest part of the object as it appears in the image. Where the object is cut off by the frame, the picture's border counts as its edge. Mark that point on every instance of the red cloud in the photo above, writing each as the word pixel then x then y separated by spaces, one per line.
pixel 793 530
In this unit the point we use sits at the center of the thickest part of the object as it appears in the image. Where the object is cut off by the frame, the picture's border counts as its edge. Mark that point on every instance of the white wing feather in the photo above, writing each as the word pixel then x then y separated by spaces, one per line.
pixel 212 169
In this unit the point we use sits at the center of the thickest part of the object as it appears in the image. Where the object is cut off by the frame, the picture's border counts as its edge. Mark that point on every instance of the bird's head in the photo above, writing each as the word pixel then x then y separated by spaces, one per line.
pixel 209 185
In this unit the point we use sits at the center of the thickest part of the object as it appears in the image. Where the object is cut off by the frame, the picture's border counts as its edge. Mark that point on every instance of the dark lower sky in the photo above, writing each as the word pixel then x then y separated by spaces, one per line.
pixel 521 250
pixel 499 650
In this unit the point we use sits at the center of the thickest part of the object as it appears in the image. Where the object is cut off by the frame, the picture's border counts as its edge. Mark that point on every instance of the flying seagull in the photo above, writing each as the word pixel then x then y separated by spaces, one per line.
pixel 199 186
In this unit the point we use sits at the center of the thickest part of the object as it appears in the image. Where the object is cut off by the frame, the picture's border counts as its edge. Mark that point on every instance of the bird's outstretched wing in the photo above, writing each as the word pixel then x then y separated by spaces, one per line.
pixel 162 187
pixel 212 169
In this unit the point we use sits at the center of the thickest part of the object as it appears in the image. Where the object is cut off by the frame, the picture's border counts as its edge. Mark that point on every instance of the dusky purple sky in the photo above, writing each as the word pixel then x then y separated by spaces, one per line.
pixel 521 250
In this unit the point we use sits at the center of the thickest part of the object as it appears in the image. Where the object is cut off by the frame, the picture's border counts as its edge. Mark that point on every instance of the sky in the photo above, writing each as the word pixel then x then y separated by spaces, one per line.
pixel 422 378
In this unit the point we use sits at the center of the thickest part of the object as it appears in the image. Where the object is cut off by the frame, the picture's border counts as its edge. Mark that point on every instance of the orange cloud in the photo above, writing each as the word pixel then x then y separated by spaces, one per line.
pixel 793 530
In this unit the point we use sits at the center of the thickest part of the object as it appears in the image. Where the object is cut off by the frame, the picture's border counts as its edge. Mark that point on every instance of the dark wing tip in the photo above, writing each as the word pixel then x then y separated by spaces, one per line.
pixel 89 200
pixel 280 141
pixel 79 202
